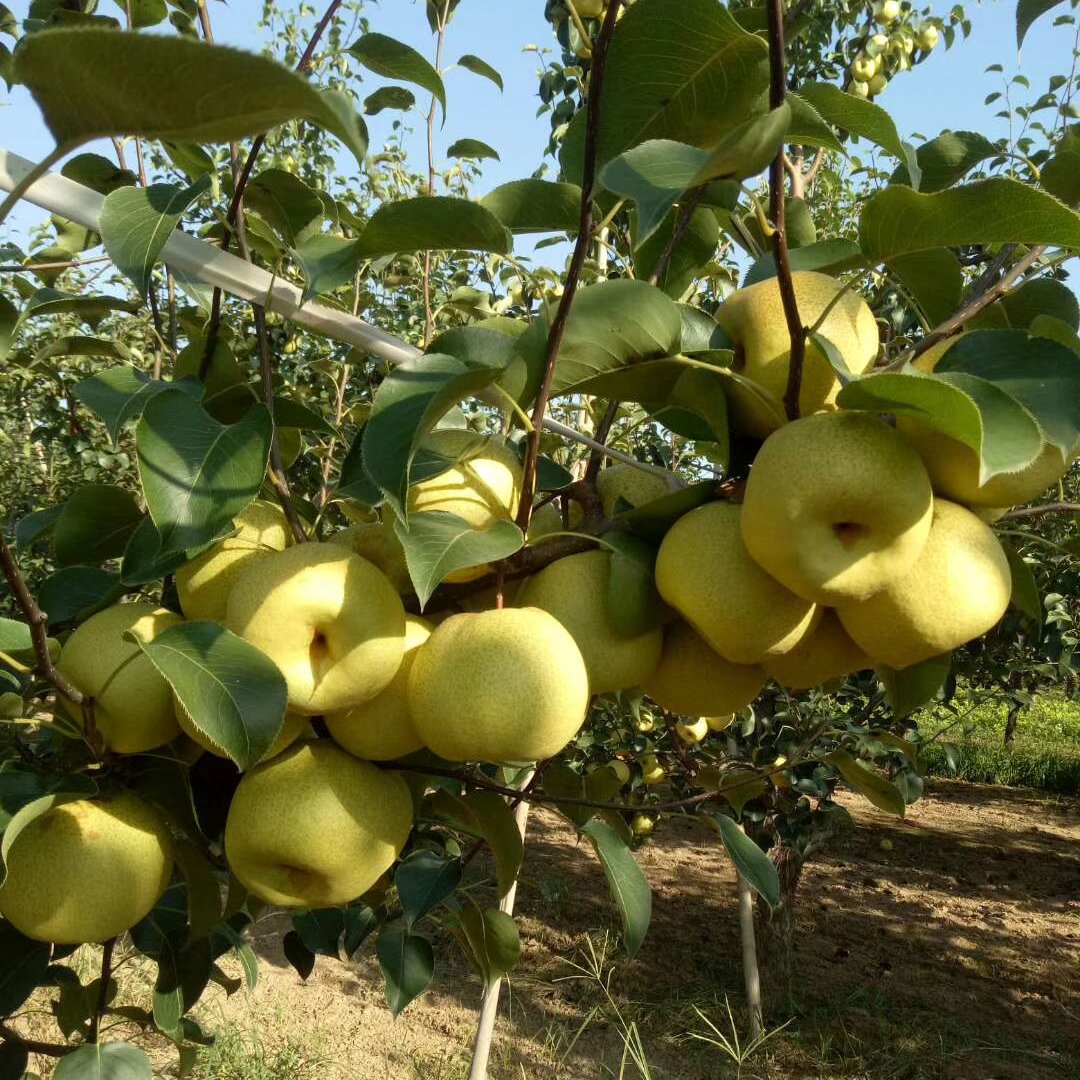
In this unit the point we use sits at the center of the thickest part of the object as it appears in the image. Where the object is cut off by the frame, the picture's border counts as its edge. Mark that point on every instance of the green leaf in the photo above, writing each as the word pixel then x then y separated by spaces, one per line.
pixel 1039 296
pixel 289 206
pixel 871 785
pixel 432 223
pixel 1046 326
pixel 231 691
pixel 727 67
pixel 183 975
pixel 95 524
pixel 136 223
pixel 93 83
pixel 321 930
pixel 197 474
pixel 77 345
pixel 808 126
pixel 1025 592
pixel 1061 174
pixel 121 393
pixel 436 544
pixel 629 886
pixel 945 160
pixel 825 256
pixel 77 592
pixel 15 636
pixel 632 600
pixel 695 247
pixel 751 862
pixel 99 173
pixel 1042 375
pixel 203 888
pixel 35 527
pixel 144 559
pixel 14 1057
pixel 489 938
pixel 104 1061
pixel 9 319
pixel 472 148
pixel 393 59
pixel 87 308
pixel 24 967
pixel 298 954
pixel 978 413
pixel 935 280
pixel 485 814
pixel 389 97
pixel 898 220
pixel 915 686
pixel 534 206
pixel 862 118
pixel 1027 11
pixel 424 880
pixel 327 262
pixel 612 324
pixel 654 519
pixel 408 404
pixel 408 965
pixel 481 68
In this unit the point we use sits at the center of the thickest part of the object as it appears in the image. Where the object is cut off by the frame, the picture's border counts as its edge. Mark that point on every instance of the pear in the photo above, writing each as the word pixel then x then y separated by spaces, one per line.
pixel 482 487
pixel 575 590
pixel 331 622
pixel 635 486
pixel 720 723
pixel 548 519
pixel 377 542
pixel 753 318
pixel 506 685
pixel 314 827
pixel 694 680
pixel 642 825
pixel 957 589
pixel 620 769
pixel 381 729
pixel 292 728
pixel 705 573
pixel 652 772
pixel 133 706
pixel 203 584
pixel 837 506
pixel 692 731
pixel 86 871
pixel 828 653
pixel 589 9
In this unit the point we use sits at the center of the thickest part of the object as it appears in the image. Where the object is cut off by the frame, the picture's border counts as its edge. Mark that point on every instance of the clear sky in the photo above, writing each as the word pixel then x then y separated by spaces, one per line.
pixel 945 92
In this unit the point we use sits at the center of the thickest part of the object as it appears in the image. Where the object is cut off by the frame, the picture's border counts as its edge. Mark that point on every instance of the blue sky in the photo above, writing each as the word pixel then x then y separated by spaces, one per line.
pixel 945 92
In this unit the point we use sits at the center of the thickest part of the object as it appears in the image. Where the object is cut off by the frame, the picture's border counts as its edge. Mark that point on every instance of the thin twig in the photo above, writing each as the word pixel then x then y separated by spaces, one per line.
pixel 577 261
pixel 796 330
pixel 103 990
pixel 603 430
pixel 686 213
pixel 440 39
pixel 1046 508
pixel 70 264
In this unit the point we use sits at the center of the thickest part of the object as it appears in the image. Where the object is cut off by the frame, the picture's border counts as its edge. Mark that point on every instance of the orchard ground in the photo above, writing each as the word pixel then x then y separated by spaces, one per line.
pixel 948 956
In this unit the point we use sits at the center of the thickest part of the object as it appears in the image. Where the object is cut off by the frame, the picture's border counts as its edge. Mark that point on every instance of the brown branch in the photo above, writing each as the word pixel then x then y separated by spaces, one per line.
pixel 577 261
pixel 103 990
pixel 603 430
pixel 811 174
pixel 682 223
pixel 34 1046
pixel 1046 508
pixel 796 330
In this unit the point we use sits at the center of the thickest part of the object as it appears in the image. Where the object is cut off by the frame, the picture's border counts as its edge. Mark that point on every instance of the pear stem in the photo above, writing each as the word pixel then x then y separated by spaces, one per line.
pixel 777 94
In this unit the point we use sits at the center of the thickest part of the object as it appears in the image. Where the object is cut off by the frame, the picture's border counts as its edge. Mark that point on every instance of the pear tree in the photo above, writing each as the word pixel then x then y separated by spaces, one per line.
pixel 341 532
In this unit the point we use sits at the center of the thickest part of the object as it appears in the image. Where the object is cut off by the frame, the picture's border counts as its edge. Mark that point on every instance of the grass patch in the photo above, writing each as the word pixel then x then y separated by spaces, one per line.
pixel 241 1055
pixel 1045 754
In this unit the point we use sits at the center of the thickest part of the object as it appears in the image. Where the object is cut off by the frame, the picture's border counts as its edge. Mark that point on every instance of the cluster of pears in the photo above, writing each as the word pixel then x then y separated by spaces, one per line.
pixel 889 49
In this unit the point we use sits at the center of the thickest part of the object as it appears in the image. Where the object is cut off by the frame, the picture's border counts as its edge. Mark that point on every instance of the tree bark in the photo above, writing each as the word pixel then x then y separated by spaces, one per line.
pixel 776 933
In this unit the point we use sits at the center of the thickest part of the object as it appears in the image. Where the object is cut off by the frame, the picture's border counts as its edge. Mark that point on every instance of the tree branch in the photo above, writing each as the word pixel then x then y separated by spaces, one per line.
pixel 577 261
pixel 103 990
pixel 440 40
pixel 686 211
pixel 1036 511
pixel 796 330
pixel 603 430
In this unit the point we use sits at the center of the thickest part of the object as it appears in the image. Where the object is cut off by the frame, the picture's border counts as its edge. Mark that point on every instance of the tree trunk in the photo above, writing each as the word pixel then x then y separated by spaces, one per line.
pixel 1011 722
pixel 776 933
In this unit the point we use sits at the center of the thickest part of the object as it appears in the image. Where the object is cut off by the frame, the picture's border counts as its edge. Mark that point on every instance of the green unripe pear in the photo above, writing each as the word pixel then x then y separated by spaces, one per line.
pixel 315 827
pixel 642 825
pixel 705 573
pixel 887 11
pixel 382 729
pixel 133 705
pixel 955 591
pixel 753 318
pixel 828 653
pixel 203 585
pixel 635 486
pixel 877 84
pixel 928 37
pixel 377 542
pixel 575 590
pixel 864 68
pixel 652 772
pixel 694 680
pixel 507 685
pixel 858 89
pixel 88 870
pixel 837 506
pixel 332 623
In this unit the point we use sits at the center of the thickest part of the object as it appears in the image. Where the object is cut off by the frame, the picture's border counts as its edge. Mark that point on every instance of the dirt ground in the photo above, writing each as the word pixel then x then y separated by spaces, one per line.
pixel 955 955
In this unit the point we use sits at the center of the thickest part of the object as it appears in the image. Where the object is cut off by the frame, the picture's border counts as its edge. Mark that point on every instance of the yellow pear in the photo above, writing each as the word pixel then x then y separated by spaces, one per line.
pixel 331 622
pixel 692 731
pixel 635 486
pixel 694 680
pixel 377 542
pixel 292 728
pixel 705 573
pixel 642 825
pixel 88 870
pixel 828 653
pixel 837 506
pixel 575 590
pixel 956 590
pixel 753 318
pixel 720 723
pixel 315 827
pixel 652 772
pixel 381 729
pixel 589 9
pixel 133 706
pixel 482 487
pixel 620 769
pixel 503 685
pixel 203 584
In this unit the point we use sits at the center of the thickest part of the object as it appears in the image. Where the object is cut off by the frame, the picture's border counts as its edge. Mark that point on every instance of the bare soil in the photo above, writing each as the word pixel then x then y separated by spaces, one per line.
pixel 955 955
